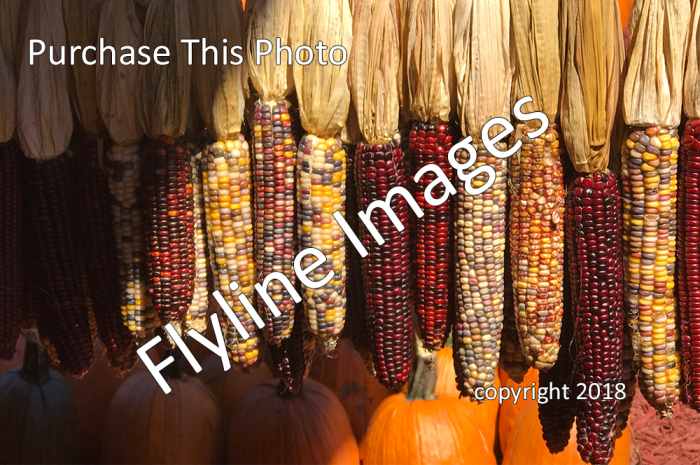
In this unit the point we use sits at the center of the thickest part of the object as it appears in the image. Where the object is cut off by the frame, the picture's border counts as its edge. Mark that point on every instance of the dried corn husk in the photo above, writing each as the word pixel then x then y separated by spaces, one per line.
pixel 483 62
pixel 270 20
pixel 118 86
pixel 350 134
pixel 593 55
pixel 691 85
pixel 220 90
pixel 538 66
pixel 10 13
pixel 323 93
pixel 656 61
pixel 44 118
pixel 165 90
pixel 8 99
pixel 375 64
pixel 428 88
pixel 82 24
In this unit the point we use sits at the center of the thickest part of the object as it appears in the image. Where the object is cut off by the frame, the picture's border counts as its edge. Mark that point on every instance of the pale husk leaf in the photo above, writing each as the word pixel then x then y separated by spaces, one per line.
pixel 351 134
pixel 44 118
pixel 656 60
pixel 118 86
pixel 691 83
pixel 270 19
pixel 220 90
pixel 323 93
pixel 483 63
pixel 10 14
pixel 375 64
pixel 165 90
pixel 593 56
pixel 82 23
pixel 428 88
pixel 8 99
pixel 537 52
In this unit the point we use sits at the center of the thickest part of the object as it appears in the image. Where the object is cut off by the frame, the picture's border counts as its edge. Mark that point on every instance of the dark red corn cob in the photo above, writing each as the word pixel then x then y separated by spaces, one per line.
pixel 688 262
pixel 274 155
pixel 294 356
pixel 386 268
pixel 596 269
pixel 62 312
pixel 356 314
pixel 169 224
pixel 11 279
pixel 99 255
pixel 430 144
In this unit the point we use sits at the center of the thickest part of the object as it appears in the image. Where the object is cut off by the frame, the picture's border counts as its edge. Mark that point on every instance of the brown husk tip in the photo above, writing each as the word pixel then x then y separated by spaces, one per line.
pixel 691 84
pixel 592 55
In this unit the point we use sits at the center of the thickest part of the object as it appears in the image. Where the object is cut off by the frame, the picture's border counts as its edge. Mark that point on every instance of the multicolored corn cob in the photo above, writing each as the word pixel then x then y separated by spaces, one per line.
pixel 275 156
pixel 294 356
pixel 124 180
pixel 430 144
pixel 688 260
pixel 170 259
pixel 229 218
pixel 594 223
pixel 62 310
pixel 12 282
pixel 511 358
pixel 320 193
pixel 480 229
pixel 99 255
pixel 629 379
pixel 537 245
pixel 649 171
pixel 386 268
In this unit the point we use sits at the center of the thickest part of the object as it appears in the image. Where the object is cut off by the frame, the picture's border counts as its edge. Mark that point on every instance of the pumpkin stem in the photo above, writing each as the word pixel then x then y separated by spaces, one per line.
pixel 174 371
pixel 421 384
pixel 36 362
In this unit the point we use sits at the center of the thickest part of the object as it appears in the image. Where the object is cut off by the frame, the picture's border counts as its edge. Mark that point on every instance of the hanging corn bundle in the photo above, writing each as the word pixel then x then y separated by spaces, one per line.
pixel 428 97
pixel 652 107
pixel 11 315
pixel 44 127
pixel 537 186
pixel 481 35
pixel 689 222
pixel 379 168
pixel 117 88
pixel 592 40
pixel 324 99
pixel 227 174
pixel 168 178
pixel 274 155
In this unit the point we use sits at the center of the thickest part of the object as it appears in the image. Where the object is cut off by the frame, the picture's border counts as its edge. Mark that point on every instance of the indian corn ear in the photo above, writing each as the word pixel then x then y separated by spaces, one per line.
pixel 294 356
pixel 649 171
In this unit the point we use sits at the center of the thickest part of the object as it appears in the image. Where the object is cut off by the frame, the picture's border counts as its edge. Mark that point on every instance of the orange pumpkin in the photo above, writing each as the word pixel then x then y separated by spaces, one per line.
pixel 526 445
pixel 509 411
pixel 420 428
pixel 309 427
pixel 358 391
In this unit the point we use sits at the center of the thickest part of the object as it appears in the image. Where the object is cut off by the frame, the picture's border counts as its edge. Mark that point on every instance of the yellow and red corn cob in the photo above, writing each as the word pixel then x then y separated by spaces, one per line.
pixel 537 245
pixel 356 318
pixel 124 180
pixel 386 268
pixel 227 181
pixel 480 230
pixel 11 281
pixel 274 151
pixel 99 255
pixel 430 144
pixel 688 261
pixel 62 311
pixel 649 170
pixel 320 193
pixel 170 259
pixel 294 356
pixel 594 228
